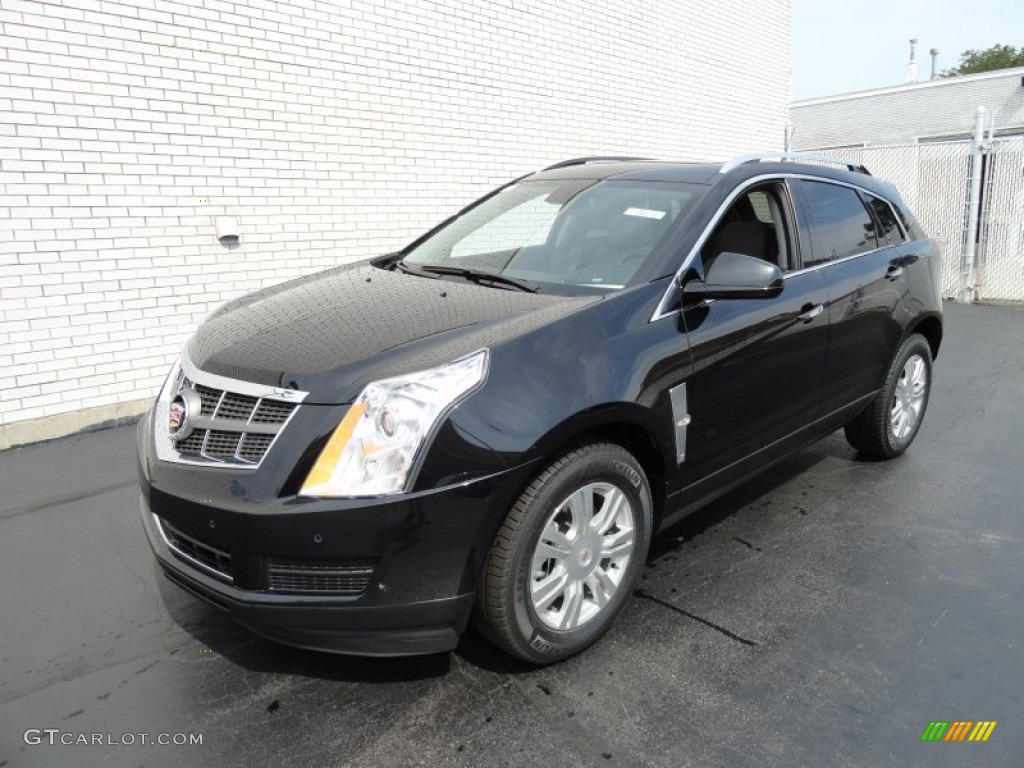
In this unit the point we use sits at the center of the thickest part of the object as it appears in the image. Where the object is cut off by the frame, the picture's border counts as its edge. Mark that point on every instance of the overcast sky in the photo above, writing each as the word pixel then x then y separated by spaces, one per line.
pixel 844 45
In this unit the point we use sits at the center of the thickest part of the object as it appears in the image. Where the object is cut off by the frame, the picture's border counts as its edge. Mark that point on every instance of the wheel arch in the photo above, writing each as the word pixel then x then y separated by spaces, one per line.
pixel 629 425
pixel 929 326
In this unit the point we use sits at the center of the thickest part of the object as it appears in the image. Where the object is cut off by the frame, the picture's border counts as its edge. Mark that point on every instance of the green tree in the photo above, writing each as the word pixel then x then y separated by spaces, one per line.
pixel 996 57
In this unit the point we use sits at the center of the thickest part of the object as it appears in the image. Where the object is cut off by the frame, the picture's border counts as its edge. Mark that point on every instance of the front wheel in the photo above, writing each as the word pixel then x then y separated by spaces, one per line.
pixel 889 424
pixel 568 555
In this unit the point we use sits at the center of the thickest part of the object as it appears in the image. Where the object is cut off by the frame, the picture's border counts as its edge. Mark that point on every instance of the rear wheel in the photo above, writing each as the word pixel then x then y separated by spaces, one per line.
pixel 889 424
pixel 566 559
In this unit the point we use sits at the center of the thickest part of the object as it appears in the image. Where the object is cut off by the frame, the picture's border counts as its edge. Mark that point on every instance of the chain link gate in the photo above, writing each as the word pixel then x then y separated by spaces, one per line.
pixel 1000 269
pixel 934 179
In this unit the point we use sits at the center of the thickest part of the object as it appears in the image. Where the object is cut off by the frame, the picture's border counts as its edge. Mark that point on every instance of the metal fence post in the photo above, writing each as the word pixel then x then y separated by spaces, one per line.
pixel 973 206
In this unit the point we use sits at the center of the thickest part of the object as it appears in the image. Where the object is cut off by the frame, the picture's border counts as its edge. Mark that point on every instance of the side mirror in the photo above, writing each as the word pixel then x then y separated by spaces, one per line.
pixel 737 276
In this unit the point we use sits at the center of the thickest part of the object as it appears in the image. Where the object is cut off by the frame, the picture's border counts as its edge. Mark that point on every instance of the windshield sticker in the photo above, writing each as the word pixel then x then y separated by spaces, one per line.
pixel 644 213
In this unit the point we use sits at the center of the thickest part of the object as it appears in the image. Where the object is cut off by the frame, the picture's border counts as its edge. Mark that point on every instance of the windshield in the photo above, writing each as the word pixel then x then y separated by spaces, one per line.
pixel 582 233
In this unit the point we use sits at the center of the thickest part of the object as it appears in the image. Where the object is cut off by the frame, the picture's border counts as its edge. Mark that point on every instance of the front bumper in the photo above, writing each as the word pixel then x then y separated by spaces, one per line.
pixel 317 622
pixel 383 576
pixel 420 556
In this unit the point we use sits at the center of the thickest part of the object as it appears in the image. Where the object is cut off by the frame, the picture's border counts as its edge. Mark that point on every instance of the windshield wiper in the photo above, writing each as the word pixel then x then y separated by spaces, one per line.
pixel 479 276
pixel 412 269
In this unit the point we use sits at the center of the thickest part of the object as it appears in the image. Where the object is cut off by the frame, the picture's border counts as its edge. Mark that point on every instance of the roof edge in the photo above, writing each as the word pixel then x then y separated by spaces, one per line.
pixel 936 83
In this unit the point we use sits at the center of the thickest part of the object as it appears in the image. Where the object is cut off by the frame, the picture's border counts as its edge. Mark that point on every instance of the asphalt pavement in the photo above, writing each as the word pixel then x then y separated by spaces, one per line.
pixel 821 615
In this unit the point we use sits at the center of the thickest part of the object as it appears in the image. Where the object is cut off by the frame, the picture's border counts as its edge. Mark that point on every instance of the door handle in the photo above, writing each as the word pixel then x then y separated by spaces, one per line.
pixel 810 311
pixel 893 272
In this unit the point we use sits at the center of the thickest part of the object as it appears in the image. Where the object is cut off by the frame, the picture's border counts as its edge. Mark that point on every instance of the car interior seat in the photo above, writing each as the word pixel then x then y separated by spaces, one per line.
pixel 742 232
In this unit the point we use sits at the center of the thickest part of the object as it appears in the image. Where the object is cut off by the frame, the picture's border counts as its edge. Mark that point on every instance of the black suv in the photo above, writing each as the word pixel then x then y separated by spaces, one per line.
pixel 492 423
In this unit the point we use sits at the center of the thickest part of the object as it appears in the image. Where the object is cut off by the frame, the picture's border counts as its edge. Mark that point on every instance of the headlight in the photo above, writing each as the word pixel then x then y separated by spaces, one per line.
pixel 372 451
pixel 173 379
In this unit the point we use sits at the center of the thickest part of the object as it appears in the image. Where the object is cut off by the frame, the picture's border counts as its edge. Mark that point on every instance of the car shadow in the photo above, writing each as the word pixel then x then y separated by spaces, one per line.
pixel 213 629
pixel 480 653
pixel 741 497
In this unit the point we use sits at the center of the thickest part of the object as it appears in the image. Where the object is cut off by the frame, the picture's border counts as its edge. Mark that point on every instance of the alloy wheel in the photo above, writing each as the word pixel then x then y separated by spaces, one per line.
pixel 581 556
pixel 908 399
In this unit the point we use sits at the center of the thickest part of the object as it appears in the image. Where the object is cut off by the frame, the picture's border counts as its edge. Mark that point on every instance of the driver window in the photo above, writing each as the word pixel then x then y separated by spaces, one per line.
pixel 755 226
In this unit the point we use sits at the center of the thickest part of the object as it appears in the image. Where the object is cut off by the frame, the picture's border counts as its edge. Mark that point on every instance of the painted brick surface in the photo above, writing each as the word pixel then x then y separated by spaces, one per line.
pixel 943 108
pixel 333 130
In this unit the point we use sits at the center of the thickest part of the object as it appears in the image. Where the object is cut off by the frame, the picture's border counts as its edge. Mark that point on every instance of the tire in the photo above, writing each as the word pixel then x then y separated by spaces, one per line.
pixel 547 592
pixel 878 431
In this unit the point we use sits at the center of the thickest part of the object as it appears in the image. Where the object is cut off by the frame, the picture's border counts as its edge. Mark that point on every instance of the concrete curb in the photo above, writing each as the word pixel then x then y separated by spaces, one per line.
pixel 64 424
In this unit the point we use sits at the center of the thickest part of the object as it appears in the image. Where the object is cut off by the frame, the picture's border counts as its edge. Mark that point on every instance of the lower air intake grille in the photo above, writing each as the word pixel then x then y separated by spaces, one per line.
pixel 348 578
pixel 193 549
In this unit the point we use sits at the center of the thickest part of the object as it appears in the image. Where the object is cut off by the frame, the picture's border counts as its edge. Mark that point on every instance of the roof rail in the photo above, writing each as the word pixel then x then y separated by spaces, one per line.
pixel 595 159
pixel 797 157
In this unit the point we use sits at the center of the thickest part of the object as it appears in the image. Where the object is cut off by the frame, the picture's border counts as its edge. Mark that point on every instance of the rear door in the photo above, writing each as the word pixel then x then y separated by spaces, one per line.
pixel 864 279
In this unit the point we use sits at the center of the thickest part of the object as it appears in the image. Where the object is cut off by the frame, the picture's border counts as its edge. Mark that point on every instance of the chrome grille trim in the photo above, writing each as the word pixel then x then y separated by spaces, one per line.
pixel 215 381
pixel 269 411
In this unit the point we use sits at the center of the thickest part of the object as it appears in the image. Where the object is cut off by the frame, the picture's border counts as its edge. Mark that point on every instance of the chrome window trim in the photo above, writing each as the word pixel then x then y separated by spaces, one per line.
pixel 165 450
pixel 664 309
pixel 187 557
pixel 824 264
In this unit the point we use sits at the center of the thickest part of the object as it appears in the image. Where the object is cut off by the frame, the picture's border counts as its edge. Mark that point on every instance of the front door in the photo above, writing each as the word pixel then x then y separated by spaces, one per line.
pixel 758 364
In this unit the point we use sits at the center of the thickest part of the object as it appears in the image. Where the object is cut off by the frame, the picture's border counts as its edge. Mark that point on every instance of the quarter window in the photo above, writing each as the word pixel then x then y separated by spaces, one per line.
pixel 890 229
pixel 838 222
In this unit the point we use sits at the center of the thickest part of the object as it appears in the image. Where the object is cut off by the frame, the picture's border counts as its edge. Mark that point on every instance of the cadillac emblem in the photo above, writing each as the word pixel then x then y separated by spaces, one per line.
pixel 185 406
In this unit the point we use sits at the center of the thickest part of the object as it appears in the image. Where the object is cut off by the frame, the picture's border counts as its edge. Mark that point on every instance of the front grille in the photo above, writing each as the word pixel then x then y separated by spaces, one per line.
pixel 272 412
pixel 254 446
pixel 193 444
pixel 239 407
pixel 349 578
pixel 193 549
pixel 221 444
pixel 209 396
pixel 239 428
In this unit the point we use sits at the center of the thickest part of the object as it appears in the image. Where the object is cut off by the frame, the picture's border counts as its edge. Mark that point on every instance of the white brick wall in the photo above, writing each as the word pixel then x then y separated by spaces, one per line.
pixel 331 129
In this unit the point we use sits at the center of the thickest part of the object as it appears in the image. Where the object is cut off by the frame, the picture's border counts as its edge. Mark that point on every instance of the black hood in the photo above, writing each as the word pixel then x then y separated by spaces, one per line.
pixel 331 333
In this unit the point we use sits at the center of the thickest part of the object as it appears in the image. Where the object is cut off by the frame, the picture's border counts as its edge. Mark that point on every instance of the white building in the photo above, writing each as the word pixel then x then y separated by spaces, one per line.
pixel 933 110
pixel 329 129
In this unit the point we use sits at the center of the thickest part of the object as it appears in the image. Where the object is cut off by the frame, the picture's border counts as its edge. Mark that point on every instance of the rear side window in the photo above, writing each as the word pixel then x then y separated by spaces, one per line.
pixel 910 224
pixel 837 221
pixel 890 231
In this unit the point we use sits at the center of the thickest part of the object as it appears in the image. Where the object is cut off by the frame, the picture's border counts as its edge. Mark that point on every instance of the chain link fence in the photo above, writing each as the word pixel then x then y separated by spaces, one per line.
pixel 1000 271
pixel 934 179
